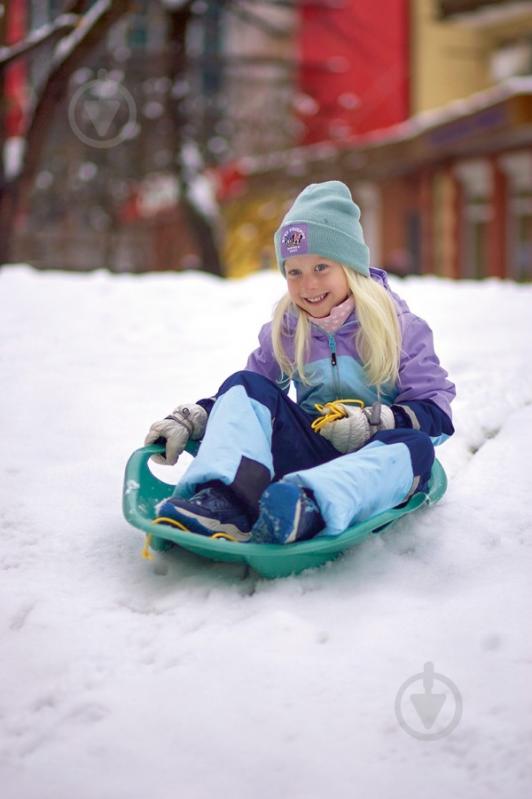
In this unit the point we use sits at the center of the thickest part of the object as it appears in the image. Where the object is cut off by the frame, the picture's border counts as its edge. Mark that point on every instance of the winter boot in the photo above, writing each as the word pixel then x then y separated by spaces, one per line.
pixel 287 513
pixel 212 509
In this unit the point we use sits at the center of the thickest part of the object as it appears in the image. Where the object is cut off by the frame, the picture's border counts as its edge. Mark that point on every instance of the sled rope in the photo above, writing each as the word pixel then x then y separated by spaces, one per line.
pixel 179 526
pixel 146 553
pixel 171 522
pixel 331 412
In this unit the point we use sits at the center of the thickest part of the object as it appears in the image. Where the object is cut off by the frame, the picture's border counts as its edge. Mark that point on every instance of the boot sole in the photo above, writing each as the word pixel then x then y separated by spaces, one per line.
pixel 201 525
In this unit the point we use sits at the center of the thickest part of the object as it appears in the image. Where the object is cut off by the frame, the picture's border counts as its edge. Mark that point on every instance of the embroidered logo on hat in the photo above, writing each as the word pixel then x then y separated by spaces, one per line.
pixel 294 240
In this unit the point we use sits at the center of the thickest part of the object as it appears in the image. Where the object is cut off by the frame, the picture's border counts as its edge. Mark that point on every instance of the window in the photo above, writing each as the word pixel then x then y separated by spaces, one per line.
pixel 476 179
pixel 518 169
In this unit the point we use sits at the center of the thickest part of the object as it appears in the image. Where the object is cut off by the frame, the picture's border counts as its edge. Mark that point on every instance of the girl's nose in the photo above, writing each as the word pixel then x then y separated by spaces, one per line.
pixel 310 282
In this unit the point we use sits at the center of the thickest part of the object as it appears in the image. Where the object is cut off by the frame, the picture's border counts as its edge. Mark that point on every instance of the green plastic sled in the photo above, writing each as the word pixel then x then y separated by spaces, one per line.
pixel 143 491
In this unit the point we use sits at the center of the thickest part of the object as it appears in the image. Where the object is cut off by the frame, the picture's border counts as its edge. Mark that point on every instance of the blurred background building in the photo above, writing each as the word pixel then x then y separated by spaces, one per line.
pixel 223 111
pixel 438 153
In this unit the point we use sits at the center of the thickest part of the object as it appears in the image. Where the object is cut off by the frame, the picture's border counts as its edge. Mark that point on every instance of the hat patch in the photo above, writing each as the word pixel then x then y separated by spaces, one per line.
pixel 294 240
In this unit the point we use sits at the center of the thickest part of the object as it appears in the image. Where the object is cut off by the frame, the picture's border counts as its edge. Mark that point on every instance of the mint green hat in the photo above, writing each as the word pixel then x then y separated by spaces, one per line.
pixel 324 220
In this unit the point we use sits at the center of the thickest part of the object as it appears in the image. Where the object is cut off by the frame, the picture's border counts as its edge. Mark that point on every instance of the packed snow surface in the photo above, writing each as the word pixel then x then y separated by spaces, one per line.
pixel 207 681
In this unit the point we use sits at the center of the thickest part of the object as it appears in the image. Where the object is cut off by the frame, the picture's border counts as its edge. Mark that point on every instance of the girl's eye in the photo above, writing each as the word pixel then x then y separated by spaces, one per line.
pixel 293 272
pixel 321 267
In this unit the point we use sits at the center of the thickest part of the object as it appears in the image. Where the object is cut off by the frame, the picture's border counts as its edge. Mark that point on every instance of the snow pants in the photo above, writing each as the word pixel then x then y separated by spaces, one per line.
pixel 256 435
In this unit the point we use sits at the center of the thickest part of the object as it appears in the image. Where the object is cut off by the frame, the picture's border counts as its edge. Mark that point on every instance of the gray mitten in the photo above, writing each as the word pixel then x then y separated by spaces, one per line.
pixel 358 426
pixel 184 423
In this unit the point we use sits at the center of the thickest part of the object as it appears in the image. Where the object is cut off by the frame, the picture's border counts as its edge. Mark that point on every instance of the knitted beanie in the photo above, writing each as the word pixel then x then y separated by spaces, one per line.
pixel 324 221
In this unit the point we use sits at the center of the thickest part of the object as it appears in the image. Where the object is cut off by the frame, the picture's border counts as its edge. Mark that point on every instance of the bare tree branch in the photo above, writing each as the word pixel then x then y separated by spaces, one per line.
pixel 70 54
pixel 63 23
pixel 3 23
pixel 74 7
pixel 188 169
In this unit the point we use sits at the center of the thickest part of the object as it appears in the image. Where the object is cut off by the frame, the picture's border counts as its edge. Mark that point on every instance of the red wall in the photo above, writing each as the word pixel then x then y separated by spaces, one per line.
pixel 15 80
pixel 355 51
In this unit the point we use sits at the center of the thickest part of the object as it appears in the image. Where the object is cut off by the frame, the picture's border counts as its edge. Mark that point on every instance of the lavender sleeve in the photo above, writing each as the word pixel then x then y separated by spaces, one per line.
pixel 262 360
pixel 421 376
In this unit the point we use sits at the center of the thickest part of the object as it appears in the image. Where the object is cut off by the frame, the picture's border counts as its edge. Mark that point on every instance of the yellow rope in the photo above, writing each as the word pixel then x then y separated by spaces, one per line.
pixel 174 523
pixel 146 554
pixel 171 522
pixel 332 411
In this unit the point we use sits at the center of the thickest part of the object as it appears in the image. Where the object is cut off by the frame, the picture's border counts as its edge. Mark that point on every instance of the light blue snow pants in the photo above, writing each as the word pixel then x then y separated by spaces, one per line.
pixel 256 435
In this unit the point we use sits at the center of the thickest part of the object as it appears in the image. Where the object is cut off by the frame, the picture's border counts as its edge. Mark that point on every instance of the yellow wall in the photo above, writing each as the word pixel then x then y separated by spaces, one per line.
pixel 448 61
pixel 443 232
pixel 250 223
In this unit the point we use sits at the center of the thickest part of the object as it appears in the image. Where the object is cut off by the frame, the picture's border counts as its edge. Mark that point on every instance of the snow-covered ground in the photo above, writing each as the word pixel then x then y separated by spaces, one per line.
pixel 120 683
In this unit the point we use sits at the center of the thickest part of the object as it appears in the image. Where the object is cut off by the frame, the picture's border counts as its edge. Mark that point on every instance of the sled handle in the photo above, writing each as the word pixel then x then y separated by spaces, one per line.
pixel 159 446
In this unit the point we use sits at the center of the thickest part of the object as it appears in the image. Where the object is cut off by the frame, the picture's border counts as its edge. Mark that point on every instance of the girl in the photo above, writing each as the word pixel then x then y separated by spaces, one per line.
pixel 372 398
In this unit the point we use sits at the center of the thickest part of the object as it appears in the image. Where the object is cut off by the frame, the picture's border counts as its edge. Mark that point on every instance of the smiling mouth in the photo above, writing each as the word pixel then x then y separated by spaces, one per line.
pixel 315 300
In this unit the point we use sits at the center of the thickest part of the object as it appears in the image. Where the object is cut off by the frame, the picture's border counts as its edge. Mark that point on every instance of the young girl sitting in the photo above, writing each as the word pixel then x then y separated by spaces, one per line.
pixel 372 398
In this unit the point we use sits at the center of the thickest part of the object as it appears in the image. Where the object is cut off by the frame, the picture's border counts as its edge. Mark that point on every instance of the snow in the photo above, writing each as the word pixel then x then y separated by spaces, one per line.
pixel 13 155
pixel 120 682
pixel 200 188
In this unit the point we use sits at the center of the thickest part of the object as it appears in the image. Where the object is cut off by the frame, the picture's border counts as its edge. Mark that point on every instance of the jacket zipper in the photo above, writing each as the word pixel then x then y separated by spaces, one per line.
pixel 334 364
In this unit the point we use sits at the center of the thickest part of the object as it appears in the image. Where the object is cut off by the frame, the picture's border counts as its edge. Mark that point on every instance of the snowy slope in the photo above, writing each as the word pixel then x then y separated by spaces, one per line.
pixel 120 683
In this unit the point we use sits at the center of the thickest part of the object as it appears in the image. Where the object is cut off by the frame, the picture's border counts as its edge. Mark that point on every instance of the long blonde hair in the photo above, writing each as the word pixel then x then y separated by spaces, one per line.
pixel 378 339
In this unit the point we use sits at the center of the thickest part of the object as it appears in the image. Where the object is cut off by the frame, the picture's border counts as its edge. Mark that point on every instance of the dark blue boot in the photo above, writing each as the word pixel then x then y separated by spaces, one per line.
pixel 287 513
pixel 211 510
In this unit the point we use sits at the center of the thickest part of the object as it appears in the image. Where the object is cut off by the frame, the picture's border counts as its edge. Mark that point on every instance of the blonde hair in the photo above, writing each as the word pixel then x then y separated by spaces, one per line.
pixel 378 339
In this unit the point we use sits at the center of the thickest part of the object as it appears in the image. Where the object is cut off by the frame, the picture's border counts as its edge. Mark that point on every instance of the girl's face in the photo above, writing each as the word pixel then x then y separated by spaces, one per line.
pixel 315 284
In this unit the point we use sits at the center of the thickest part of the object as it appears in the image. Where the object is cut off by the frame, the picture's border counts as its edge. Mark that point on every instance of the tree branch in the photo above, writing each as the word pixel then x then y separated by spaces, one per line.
pixel 70 54
pixel 63 23
pixel 74 7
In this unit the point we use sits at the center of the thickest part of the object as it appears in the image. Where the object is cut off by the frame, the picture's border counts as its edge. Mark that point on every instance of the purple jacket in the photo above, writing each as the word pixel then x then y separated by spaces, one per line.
pixel 334 369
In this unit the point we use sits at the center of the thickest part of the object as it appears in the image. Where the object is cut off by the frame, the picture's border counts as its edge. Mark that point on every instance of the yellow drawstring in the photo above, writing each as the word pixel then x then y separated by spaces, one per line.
pixel 146 554
pixel 332 411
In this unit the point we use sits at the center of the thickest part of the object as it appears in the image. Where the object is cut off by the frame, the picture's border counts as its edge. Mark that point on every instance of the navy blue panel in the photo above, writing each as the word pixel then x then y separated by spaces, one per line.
pixel 295 445
pixel 251 479
pixel 432 420
pixel 206 403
